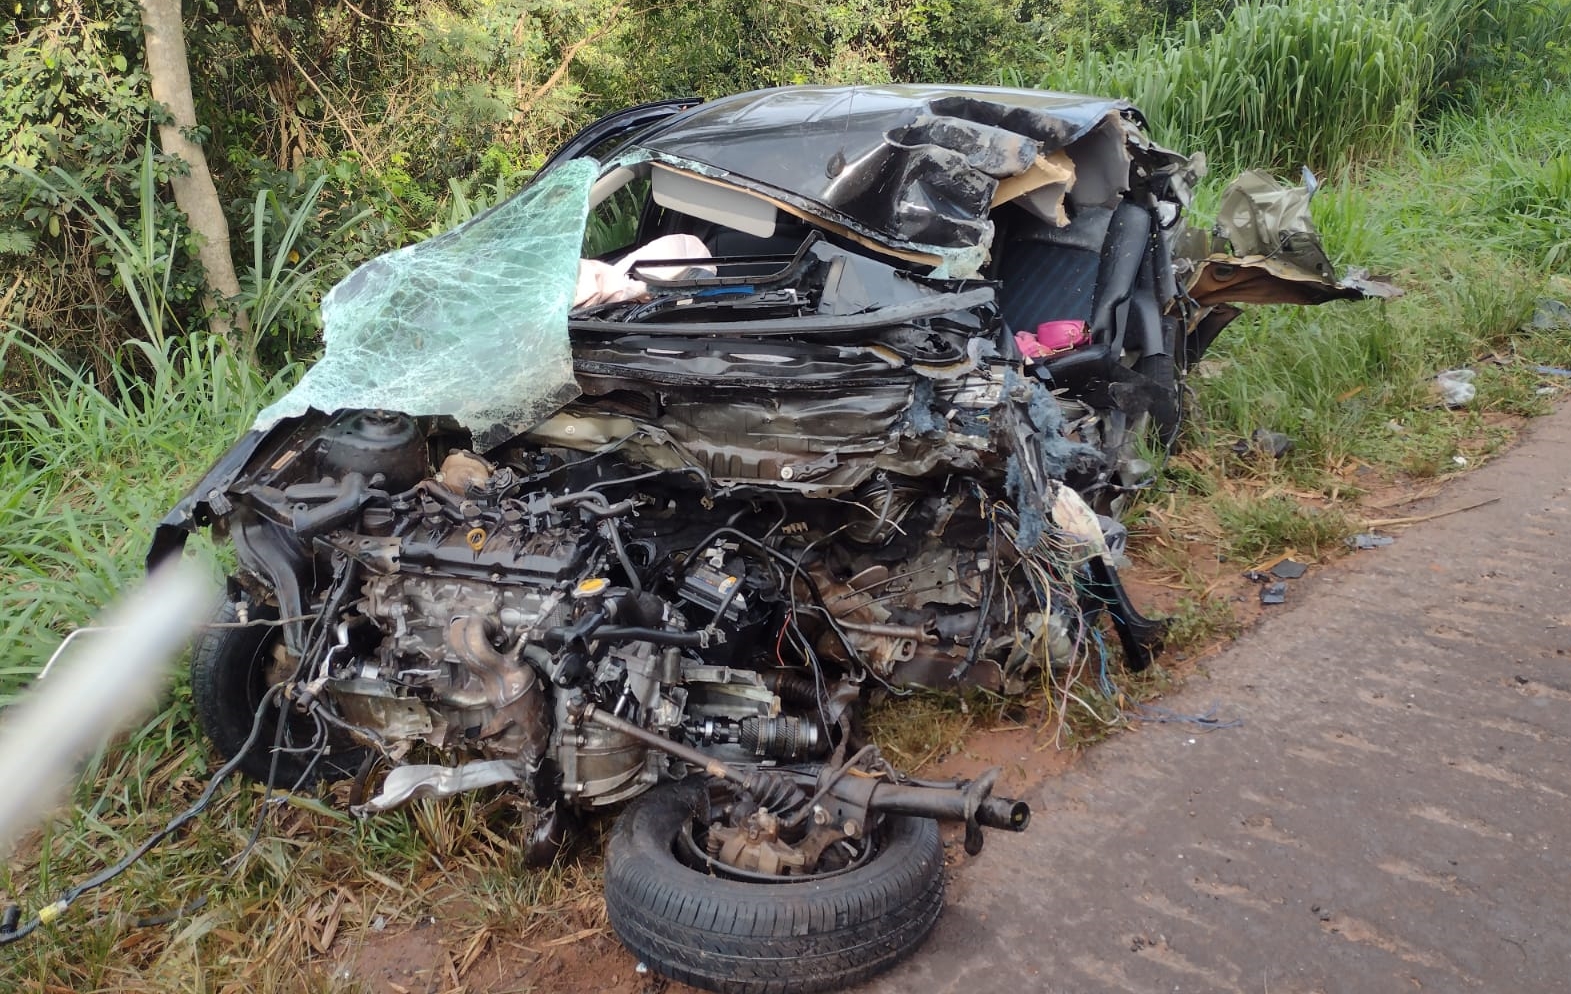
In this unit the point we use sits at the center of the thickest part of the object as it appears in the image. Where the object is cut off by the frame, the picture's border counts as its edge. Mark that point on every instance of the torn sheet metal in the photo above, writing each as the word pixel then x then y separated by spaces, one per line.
pixel 916 168
pixel 410 330
pixel 1259 216
pixel 407 783
pixel 1265 250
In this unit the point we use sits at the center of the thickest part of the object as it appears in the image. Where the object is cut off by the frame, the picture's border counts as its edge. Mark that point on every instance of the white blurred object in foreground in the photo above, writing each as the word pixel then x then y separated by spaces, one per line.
pixel 101 684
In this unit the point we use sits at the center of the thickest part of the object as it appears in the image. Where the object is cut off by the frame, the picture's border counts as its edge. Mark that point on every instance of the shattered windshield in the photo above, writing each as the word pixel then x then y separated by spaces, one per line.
pixel 472 323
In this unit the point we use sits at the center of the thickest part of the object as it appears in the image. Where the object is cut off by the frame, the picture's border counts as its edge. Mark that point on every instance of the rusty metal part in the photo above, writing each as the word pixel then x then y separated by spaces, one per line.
pixel 771 789
pixel 755 845
pixel 520 725
pixel 914 633
pixel 462 471
pixel 373 704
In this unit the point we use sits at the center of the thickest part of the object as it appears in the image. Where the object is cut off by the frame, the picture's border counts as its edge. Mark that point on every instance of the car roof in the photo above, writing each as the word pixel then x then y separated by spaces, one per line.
pixel 912 165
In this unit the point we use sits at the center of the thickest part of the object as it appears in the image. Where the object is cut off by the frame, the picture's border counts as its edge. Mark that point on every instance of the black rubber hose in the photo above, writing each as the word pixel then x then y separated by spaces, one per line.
pixel 655 636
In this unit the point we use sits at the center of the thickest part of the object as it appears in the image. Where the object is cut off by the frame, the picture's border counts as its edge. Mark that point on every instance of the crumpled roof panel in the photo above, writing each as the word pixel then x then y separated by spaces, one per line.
pixel 915 166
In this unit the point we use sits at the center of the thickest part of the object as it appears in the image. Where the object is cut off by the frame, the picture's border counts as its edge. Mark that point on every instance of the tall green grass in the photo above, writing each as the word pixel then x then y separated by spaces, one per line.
pixel 1316 82
pixel 93 453
pixel 1449 221
pixel 86 469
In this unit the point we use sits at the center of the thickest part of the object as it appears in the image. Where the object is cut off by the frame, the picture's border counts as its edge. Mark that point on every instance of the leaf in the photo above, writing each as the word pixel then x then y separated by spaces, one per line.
pixel 14 242
pixel 330 926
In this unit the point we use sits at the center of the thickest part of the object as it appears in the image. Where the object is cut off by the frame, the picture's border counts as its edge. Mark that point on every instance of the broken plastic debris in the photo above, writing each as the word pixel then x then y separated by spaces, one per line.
pixel 1459 460
pixel 1552 370
pixel 1269 443
pixel 1117 538
pixel 1456 387
pixel 1273 593
pixel 1551 315
pixel 1289 569
pixel 1369 540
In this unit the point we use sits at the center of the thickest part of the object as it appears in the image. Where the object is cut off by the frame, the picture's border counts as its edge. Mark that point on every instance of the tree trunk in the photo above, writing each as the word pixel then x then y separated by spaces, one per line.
pixel 170 75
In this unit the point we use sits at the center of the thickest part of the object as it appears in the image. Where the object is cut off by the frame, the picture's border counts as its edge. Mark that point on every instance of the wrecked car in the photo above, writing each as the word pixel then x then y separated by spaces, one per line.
pixel 843 398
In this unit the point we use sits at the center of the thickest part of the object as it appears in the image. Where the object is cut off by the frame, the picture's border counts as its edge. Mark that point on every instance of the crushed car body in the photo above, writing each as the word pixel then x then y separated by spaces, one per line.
pixel 845 399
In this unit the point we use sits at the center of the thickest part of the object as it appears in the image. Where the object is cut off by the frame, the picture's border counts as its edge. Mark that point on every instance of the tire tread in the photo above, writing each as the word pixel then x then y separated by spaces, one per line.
pixel 788 938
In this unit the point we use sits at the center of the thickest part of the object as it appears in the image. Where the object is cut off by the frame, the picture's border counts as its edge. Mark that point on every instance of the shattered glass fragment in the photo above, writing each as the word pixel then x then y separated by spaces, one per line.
pixel 472 323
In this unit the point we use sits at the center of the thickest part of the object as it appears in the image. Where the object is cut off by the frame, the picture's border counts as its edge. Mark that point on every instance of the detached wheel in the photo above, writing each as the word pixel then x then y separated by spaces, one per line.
pixel 784 936
pixel 229 678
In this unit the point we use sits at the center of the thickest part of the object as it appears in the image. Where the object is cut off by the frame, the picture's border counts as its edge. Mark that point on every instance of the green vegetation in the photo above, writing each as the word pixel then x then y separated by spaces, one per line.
pixel 337 132
pixel 390 103
pixel 1321 83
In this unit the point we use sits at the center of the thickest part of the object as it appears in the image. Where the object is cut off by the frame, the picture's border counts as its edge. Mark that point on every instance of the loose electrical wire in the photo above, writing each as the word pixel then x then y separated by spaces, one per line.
pixel 52 912
pixel 319 744
pixel 94 629
pixel 839 774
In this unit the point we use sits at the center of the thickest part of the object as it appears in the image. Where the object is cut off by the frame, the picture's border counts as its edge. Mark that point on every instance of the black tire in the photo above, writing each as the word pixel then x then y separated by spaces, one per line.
pixel 741 937
pixel 228 682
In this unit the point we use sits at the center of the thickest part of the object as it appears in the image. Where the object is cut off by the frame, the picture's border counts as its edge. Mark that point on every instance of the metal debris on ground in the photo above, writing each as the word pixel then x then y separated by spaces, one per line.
pixel 1369 540
pixel 1273 593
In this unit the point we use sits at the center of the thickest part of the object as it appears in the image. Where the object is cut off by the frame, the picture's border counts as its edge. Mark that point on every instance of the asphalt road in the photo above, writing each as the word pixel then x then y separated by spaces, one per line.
pixel 1392 815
